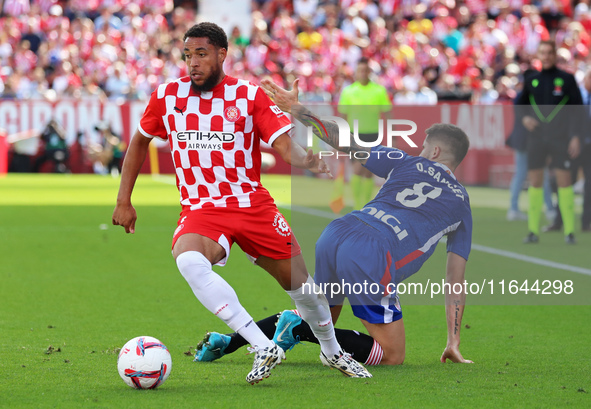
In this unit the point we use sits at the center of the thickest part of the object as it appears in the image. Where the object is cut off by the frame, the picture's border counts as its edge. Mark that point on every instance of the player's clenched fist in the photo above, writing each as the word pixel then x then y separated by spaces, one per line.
pixel 125 215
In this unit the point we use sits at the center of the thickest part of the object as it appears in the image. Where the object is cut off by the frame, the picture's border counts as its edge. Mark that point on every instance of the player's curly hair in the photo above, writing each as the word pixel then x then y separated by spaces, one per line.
pixel 453 137
pixel 214 33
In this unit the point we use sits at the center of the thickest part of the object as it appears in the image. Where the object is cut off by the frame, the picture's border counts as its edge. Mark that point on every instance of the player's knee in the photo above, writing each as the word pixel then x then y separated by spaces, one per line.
pixel 394 353
pixel 193 266
pixel 393 358
pixel 309 295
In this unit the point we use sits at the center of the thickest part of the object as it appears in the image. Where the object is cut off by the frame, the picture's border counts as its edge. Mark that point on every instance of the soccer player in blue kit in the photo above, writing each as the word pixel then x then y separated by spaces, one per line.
pixel 382 244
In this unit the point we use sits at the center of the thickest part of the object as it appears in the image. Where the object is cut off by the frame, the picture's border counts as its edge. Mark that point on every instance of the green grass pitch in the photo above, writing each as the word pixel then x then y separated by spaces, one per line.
pixel 74 289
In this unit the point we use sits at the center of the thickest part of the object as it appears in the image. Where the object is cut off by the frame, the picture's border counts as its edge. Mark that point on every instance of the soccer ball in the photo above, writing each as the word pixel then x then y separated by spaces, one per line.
pixel 144 363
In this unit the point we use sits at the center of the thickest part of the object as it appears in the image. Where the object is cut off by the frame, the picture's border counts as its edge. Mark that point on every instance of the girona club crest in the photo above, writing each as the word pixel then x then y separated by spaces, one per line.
pixel 232 114
pixel 281 226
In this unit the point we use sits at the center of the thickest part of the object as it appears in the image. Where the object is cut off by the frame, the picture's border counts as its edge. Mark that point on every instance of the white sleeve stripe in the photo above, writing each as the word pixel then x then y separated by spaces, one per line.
pixel 147 135
pixel 278 133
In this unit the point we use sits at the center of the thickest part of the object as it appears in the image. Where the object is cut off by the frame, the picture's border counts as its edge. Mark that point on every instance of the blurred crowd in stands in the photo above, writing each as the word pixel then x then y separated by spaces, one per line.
pixel 421 51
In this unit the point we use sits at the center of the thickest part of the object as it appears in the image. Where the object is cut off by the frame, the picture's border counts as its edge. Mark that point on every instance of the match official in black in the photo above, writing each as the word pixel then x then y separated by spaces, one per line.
pixel 585 160
pixel 553 139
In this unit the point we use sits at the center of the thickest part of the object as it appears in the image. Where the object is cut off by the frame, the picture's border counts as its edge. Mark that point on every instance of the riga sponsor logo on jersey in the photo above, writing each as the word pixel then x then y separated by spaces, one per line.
pixel 232 114
pixel 208 141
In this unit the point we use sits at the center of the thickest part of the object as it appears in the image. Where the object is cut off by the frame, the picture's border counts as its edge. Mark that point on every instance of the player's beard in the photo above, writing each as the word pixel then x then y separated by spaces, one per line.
pixel 211 81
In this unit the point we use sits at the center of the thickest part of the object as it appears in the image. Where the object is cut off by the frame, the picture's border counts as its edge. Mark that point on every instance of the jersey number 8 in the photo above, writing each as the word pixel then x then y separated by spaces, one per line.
pixel 416 196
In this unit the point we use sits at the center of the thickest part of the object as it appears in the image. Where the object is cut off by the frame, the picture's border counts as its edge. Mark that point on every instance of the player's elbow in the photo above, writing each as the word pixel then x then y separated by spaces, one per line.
pixel 282 146
pixel 286 157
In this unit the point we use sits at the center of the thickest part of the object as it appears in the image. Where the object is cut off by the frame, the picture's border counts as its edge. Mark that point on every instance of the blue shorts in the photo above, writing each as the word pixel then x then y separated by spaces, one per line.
pixel 353 260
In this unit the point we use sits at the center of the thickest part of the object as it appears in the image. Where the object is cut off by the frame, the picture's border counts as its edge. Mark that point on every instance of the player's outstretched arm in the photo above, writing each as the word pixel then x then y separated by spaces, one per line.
pixel 295 155
pixel 288 102
pixel 124 213
pixel 454 308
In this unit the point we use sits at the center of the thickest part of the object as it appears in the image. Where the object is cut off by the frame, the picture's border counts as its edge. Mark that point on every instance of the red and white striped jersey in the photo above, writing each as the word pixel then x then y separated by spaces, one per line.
pixel 214 139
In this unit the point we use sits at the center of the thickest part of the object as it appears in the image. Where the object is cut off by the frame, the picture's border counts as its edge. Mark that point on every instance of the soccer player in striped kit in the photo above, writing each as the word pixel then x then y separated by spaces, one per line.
pixel 214 124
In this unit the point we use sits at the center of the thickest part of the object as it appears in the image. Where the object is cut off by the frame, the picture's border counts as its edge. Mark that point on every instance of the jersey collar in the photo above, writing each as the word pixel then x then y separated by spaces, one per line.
pixel 446 169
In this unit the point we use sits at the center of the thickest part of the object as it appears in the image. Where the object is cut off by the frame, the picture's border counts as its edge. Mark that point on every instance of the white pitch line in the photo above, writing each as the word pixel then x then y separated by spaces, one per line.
pixel 533 260
pixel 310 211
pixel 484 249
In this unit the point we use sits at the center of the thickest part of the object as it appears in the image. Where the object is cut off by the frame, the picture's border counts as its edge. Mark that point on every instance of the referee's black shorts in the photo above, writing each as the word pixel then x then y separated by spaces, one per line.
pixel 542 152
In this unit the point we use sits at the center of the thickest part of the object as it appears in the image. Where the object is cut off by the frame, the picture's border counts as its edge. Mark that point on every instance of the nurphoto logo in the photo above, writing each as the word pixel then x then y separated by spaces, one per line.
pixel 345 134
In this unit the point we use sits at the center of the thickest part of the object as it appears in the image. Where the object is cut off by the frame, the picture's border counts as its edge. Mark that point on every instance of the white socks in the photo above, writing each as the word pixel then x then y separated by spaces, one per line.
pixel 314 309
pixel 219 297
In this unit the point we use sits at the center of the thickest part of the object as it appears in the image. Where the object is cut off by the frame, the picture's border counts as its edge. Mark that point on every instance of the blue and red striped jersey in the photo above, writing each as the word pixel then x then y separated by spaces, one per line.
pixel 420 203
